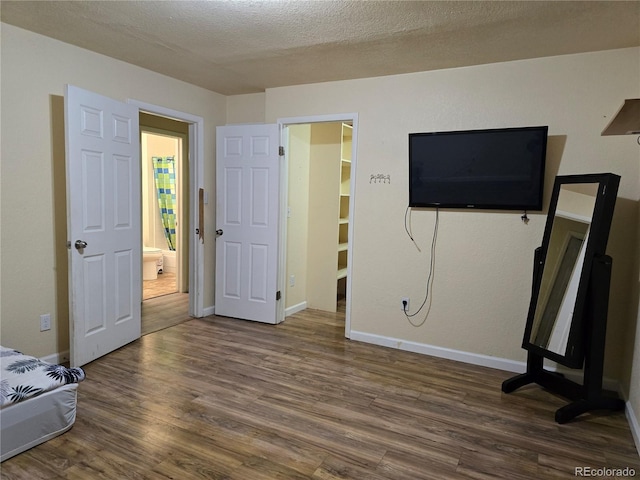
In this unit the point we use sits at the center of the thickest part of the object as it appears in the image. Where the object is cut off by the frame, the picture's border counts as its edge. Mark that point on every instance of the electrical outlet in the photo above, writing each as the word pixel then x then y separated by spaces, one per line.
pixel 292 280
pixel 45 322
pixel 404 304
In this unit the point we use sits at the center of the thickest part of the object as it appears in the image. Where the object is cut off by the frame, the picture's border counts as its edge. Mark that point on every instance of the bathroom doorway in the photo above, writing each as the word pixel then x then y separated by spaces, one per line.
pixel 165 200
pixel 191 253
pixel 162 154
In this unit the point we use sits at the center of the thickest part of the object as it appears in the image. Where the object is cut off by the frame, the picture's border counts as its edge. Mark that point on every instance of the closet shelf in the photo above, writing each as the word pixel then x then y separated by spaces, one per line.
pixel 344 200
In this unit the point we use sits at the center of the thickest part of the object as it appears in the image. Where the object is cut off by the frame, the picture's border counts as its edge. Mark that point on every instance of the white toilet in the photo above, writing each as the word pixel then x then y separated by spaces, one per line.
pixel 151 263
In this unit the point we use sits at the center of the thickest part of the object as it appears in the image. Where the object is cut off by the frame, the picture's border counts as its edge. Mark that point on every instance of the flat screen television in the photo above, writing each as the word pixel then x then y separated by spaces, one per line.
pixel 487 169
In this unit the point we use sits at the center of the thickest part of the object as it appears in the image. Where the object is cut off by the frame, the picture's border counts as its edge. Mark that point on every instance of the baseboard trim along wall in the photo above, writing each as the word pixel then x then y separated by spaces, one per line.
pixel 633 424
pixel 206 311
pixel 57 358
pixel 473 358
pixel 441 352
pixel 295 309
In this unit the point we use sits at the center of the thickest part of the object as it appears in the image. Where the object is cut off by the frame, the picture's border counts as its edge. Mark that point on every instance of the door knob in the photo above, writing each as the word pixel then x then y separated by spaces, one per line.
pixel 80 244
pixel 219 232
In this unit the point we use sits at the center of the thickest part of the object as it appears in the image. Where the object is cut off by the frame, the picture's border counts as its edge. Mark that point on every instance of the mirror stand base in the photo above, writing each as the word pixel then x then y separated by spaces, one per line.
pixel 584 399
pixel 589 396
pixel 572 410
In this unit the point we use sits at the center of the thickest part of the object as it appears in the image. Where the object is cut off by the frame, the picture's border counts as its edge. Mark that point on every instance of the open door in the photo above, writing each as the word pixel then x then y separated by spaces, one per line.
pixel 247 211
pixel 103 217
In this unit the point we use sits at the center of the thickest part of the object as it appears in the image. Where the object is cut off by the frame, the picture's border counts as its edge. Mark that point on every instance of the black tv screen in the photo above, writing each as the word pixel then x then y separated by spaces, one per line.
pixel 489 169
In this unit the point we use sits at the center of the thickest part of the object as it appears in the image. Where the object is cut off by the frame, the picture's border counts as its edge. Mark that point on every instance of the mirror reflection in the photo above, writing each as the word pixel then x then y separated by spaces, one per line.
pixel 563 266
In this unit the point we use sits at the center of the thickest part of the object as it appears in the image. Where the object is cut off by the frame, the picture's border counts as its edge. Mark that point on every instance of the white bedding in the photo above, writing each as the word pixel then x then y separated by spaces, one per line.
pixel 23 376
pixel 37 401
pixel 34 421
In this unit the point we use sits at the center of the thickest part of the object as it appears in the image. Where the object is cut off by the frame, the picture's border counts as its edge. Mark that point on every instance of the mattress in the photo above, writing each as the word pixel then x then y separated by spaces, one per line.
pixel 37 401
pixel 36 420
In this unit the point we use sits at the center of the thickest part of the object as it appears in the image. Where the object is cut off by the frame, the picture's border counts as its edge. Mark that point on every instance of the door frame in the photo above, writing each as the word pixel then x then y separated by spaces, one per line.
pixel 196 176
pixel 284 188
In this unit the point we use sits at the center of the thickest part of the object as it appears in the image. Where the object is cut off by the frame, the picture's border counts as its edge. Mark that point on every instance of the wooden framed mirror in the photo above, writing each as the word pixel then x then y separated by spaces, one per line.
pixel 567 315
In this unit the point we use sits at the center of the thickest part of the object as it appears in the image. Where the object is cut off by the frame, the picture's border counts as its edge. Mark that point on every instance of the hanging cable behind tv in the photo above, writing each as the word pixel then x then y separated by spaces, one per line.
pixel 432 261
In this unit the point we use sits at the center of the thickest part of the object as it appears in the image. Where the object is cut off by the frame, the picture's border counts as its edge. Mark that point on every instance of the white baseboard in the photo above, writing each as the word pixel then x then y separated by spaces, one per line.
pixel 471 358
pixel 56 358
pixel 632 418
pixel 440 352
pixel 295 309
pixel 209 311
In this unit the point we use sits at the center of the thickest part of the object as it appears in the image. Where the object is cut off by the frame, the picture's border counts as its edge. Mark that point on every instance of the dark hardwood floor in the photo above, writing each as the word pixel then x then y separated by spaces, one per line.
pixel 219 398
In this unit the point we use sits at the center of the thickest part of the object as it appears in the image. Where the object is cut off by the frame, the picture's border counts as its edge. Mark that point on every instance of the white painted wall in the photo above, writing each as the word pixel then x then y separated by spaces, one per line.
pixel 35 70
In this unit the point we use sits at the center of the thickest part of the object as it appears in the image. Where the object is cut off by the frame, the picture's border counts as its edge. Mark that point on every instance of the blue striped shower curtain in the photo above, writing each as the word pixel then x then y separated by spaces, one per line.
pixel 164 173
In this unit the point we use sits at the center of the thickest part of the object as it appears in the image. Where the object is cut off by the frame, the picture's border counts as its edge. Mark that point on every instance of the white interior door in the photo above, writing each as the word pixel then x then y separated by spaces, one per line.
pixel 247 210
pixel 103 217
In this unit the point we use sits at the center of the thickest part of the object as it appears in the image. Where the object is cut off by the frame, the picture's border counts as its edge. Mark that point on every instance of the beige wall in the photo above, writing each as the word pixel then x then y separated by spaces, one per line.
pixel 483 270
pixel 245 108
pixel 298 220
pixel 632 381
pixel 35 70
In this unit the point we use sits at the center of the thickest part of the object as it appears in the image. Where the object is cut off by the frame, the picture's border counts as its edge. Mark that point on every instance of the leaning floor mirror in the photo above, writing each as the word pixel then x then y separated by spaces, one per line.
pixel 569 300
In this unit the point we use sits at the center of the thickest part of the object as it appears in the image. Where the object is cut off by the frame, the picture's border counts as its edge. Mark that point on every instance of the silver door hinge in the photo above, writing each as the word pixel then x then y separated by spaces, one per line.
pixel 278 295
pixel 281 151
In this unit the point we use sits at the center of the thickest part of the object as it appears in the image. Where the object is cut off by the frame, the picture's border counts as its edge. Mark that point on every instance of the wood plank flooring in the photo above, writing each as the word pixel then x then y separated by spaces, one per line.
pixel 219 398
pixel 165 284
pixel 164 311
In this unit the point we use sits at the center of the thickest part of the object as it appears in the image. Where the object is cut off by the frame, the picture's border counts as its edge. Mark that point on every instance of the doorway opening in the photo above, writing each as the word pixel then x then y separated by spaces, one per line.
pixel 168 183
pixel 193 217
pixel 319 195
pixel 165 199
pixel 165 265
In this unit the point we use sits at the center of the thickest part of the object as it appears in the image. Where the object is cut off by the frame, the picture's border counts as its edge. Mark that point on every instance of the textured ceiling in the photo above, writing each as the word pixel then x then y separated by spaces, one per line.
pixel 234 47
